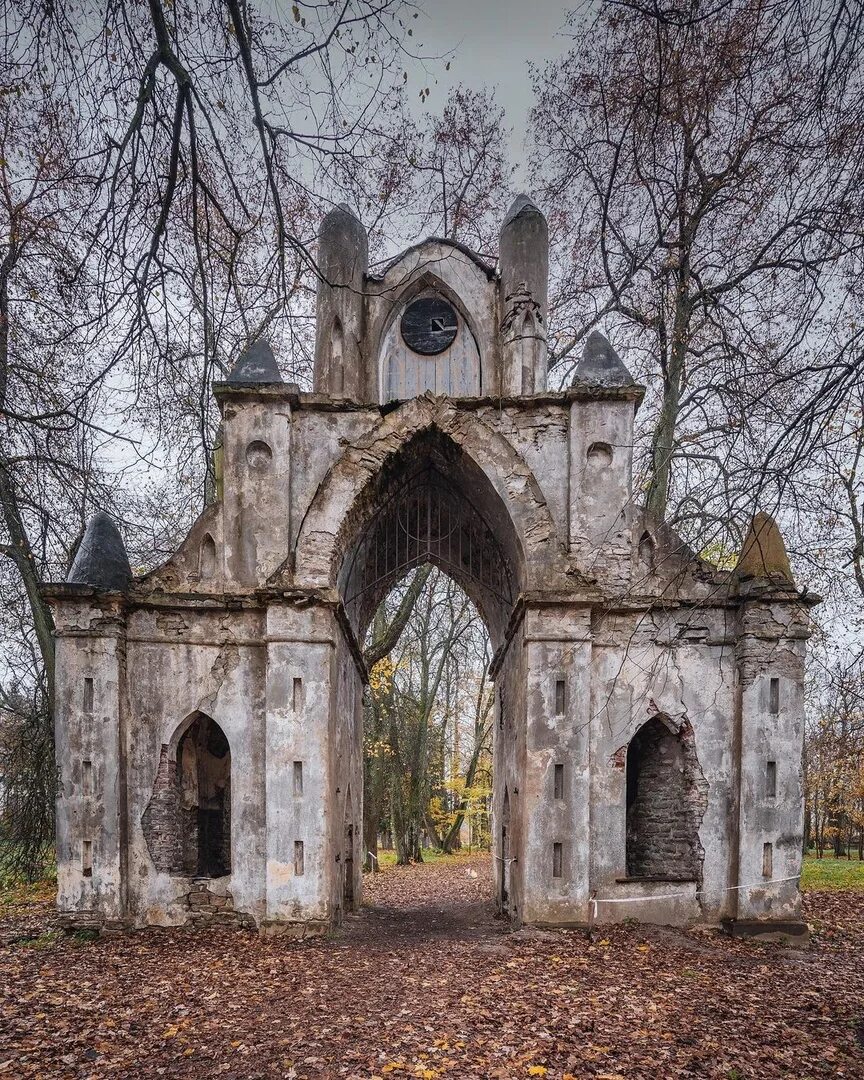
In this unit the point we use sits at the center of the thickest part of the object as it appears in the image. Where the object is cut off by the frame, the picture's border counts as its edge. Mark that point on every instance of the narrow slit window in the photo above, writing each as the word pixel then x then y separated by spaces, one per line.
pixel 557 859
pixel 559 781
pixel 298 777
pixel 87 858
pixel 297 695
pixel 774 696
pixel 86 777
pixel 88 696
pixel 298 857
pixel 560 697
pixel 771 779
pixel 767 860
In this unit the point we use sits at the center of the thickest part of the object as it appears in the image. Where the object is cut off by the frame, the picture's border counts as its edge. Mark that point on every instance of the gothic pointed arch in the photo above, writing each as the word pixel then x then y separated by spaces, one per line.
pixel 457 370
pixel 478 463
pixel 187 823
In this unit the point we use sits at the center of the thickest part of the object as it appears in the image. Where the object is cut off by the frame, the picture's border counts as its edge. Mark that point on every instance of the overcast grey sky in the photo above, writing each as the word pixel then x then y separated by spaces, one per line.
pixel 494 41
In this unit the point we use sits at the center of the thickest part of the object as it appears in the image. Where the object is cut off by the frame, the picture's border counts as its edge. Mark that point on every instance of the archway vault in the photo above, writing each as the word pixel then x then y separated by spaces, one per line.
pixel 462 466
pixel 428 518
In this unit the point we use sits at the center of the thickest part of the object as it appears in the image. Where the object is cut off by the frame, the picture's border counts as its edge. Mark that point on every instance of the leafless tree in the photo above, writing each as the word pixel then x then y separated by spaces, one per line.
pixel 707 162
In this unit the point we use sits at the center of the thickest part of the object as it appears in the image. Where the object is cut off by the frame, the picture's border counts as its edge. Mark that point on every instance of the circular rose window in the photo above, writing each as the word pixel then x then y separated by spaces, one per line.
pixel 429 325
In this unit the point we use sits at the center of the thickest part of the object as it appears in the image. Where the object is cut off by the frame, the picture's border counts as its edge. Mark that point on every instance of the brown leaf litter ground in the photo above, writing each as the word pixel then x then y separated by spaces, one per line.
pixel 427 983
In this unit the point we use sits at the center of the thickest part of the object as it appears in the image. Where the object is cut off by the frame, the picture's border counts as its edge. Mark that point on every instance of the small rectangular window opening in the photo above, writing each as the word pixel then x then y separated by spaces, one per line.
pixel 86 777
pixel 771 779
pixel 87 858
pixel 559 781
pixel 557 859
pixel 297 695
pixel 560 697
pixel 88 696
pixel 774 696
pixel 298 857
pixel 767 860
pixel 298 777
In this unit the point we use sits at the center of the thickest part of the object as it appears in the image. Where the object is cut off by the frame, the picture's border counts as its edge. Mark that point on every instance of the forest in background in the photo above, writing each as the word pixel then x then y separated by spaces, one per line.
pixel 163 170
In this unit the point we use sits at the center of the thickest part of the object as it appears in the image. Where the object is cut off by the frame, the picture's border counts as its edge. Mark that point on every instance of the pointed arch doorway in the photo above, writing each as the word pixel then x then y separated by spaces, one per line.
pixel 432 504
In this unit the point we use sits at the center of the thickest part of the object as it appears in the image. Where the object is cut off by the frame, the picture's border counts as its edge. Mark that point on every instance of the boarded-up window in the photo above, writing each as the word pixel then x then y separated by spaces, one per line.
pixel 408 373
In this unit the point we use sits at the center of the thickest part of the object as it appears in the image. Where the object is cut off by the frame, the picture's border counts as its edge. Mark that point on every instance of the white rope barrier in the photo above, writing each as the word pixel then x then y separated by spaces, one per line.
pixel 595 900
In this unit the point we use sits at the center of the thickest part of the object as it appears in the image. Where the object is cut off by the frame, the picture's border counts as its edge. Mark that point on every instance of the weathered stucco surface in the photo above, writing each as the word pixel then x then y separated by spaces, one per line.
pixel 618 652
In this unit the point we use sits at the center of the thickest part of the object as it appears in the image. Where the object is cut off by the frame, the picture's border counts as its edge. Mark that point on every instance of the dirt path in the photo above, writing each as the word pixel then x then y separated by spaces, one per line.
pixel 427 983
pixel 421 904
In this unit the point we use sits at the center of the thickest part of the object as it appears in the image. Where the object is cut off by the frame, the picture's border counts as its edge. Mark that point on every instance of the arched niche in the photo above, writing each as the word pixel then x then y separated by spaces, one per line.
pixel 336 361
pixel 666 800
pixel 404 373
pixel 532 353
pixel 204 781
pixel 207 558
pixel 431 503
pixel 647 553
pixel 187 823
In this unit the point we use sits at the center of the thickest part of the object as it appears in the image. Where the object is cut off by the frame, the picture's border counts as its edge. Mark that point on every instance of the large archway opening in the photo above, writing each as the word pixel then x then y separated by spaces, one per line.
pixel 429 582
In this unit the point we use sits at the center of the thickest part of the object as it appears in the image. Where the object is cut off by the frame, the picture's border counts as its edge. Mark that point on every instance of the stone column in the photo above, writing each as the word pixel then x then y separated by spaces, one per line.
pixel 90 753
pixel 601 495
pixel 770 733
pixel 523 292
pixel 343 260
pixel 299 799
pixel 257 483
pixel 555 792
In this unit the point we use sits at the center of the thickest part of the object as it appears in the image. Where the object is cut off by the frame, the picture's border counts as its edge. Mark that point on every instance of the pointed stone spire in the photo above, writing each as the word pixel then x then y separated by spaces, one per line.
pixel 101 559
pixel 600 364
pixel 257 364
pixel 343 263
pixel 523 265
pixel 764 553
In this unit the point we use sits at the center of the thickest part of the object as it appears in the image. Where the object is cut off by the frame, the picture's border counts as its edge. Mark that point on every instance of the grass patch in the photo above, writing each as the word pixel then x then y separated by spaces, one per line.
pixel 46 940
pixel 21 894
pixel 430 855
pixel 832 873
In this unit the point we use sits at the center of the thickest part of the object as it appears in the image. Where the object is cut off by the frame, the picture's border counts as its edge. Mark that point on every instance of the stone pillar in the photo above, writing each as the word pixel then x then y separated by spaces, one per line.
pixel 601 492
pixel 299 795
pixel 770 734
pixel 555 791
pixel 91 792
pixel 256 506
pixel 524 288
pixel 343 260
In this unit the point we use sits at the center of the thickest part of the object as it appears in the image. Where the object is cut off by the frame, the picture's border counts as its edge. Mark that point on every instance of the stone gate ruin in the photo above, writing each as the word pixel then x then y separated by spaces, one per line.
pixel 648 724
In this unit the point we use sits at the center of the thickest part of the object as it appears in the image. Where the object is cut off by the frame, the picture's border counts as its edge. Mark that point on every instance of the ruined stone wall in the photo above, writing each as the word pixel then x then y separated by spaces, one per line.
pixel 179 665
pixel 645 666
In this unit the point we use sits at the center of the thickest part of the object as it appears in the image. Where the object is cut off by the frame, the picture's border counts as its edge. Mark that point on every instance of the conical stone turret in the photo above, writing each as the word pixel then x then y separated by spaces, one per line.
pixel 764 553
pixel 601 365
pixel 256 364
pixel 101 560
